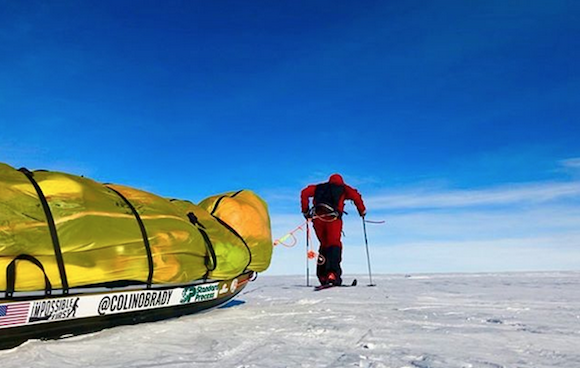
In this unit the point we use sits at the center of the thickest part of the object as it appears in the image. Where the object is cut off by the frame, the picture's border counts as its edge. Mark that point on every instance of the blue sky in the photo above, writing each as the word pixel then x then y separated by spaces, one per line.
pixel 457 121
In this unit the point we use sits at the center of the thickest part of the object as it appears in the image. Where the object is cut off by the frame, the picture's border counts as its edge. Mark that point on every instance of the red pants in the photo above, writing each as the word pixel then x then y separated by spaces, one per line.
pixel 328 232
pixel 330 252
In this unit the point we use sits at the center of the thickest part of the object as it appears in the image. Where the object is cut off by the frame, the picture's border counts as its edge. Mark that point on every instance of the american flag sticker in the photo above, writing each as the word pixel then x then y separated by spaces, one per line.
pixel 14 314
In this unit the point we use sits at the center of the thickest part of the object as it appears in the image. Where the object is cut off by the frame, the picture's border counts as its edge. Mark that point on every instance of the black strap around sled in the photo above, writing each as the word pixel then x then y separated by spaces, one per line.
pixel 11 275
pixel 233 231
pixel 217 203
pixel 143 234
pixel 51 228
pixel 227 226
pixel 211 259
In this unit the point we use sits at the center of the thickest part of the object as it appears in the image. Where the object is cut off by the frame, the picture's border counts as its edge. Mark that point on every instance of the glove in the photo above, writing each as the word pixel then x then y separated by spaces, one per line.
pixel 306 214
pixel 363 214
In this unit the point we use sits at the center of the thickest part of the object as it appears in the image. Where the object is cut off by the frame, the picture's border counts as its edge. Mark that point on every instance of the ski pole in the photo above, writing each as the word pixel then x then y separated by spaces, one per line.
pixel 307 248
pixel 367 248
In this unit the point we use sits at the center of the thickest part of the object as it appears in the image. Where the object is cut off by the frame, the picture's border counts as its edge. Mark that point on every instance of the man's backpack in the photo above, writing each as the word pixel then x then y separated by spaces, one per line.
pixel 326 198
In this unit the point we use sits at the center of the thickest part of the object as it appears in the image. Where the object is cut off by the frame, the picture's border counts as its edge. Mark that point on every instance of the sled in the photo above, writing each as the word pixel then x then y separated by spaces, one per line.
pixel 86 311
pixel 78 256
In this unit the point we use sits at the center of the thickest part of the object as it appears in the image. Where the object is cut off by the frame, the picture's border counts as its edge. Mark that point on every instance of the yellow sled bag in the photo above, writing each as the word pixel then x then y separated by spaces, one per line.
pixel 68 231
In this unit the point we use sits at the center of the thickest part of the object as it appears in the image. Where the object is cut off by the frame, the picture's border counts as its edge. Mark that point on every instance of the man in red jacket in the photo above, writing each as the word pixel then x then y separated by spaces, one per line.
pixel 326 212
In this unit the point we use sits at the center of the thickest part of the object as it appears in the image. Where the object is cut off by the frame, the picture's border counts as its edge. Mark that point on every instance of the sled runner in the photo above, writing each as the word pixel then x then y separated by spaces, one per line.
pixel 90 311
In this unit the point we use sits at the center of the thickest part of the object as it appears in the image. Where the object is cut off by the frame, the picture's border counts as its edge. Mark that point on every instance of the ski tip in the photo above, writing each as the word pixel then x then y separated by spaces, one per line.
pixel 322 287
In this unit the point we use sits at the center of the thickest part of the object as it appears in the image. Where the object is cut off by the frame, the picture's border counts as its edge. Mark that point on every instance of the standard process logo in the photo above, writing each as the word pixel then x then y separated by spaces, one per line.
pixel 199 293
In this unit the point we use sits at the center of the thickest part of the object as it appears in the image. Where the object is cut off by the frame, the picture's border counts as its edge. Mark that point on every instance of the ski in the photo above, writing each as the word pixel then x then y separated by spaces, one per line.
pixel 328 286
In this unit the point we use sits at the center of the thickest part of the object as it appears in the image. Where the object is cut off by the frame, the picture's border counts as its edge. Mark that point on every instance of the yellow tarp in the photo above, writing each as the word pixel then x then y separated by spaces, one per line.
pixel 101 240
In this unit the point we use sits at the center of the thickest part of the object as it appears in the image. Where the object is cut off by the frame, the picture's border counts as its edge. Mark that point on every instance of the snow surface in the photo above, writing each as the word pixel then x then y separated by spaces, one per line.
pixel 413 321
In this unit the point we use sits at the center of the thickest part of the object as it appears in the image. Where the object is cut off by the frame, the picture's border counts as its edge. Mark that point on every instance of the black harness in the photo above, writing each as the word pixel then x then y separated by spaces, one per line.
pixel 326 200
